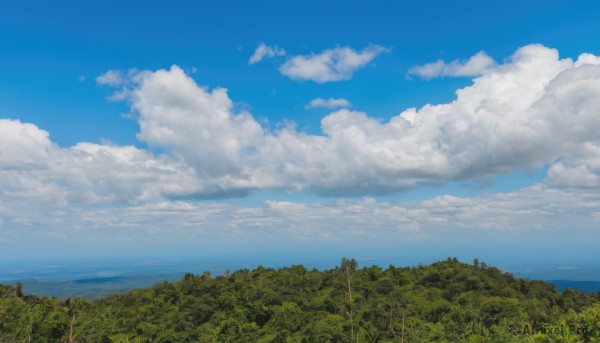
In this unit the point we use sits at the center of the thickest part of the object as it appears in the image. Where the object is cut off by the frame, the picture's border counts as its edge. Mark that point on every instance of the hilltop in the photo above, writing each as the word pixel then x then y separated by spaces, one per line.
pixel 446 301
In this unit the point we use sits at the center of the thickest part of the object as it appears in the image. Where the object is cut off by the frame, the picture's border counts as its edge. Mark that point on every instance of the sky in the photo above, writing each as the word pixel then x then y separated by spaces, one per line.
pixel 383 128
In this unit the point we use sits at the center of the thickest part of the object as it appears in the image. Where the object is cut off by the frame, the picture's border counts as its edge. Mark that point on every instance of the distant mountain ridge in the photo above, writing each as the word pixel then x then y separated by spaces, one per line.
pixel 101 286
pixel 586 286
pixel 92 288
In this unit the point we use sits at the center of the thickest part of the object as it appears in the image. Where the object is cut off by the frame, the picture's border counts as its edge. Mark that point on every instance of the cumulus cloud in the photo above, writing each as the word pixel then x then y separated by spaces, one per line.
pixel 23 145
pixel 476 65
pixel 121 82
pixel 33 168
pixel 533 110
pixel 110 78
pixel 530 111
pixel 579 168
pixel 194 123
pixel 330 65
pixel 263 50
pixel 328 103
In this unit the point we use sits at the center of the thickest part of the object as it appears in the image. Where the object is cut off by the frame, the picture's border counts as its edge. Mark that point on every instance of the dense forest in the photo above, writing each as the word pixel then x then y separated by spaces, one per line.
pixel 447 301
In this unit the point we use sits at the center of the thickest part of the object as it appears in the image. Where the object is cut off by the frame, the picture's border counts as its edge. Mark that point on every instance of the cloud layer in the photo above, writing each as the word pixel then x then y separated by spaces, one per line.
pixel 534 110
pixel 537 210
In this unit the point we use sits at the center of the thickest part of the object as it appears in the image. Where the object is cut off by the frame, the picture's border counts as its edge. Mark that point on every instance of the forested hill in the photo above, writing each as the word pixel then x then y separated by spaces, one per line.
pixel 446 301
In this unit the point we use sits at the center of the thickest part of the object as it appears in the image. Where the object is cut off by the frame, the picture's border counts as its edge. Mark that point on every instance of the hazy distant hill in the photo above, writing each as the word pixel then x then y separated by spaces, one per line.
pixel 94 288
pixel 586 286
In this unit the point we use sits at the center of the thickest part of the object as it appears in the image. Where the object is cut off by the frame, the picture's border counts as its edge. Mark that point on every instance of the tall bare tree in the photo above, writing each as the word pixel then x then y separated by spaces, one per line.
pixel 348 267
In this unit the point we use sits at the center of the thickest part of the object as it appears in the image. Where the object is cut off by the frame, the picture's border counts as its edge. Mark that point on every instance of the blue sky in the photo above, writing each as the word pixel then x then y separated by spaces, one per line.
pixel 141 127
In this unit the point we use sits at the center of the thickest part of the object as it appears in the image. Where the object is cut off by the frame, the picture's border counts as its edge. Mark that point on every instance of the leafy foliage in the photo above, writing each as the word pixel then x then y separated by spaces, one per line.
pixel 447 301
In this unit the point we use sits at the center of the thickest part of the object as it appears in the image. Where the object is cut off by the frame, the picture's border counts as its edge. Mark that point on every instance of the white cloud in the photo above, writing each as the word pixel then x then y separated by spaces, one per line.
pixel 534 110
pixel 195 124
pixel 330 65
pixel 23 145
pixel 525 113
pixel 329 103
pixel 263 50
pixel 539 208
pixel 476 65
pixel 111 78
pixel 34 168
pixel 579 168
